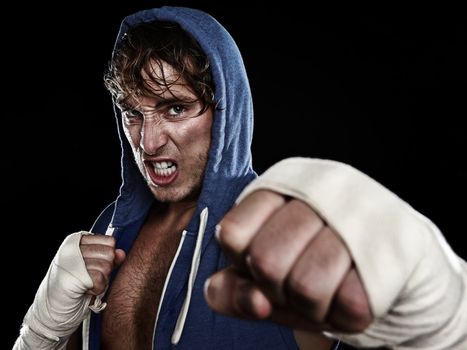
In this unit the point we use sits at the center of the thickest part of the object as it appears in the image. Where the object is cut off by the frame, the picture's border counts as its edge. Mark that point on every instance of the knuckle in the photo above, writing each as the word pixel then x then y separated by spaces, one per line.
pixel 99 289
pixel 231 228
pixel 98 280
pixel 98 239
pixel 110 241
pixel 106 268
pixel 307 297
pixel 90 239
pixel 87 238
pixel 109 252
pixel 355 308
pixel 106 252
pixel 84 250
pixel 299 205
pixel 304 290
pixel 305 212
pixel 264 265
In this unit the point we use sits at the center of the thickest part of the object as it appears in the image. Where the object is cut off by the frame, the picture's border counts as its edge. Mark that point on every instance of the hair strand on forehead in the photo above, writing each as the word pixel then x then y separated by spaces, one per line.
pixel 138 64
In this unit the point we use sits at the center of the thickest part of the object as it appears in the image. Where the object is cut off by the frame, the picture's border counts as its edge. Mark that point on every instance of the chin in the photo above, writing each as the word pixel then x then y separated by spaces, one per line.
pixel 167 196
pixel 174 195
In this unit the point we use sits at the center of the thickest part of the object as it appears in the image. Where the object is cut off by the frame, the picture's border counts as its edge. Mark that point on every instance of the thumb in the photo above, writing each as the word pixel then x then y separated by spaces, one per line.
pixel 231 294
pixel 120 256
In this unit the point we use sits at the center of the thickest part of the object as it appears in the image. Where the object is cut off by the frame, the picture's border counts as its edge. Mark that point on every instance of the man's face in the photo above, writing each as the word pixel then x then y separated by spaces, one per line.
pixel 170 141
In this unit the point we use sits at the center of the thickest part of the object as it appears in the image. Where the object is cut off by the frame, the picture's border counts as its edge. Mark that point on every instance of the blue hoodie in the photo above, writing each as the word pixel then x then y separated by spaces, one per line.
pixel 184 319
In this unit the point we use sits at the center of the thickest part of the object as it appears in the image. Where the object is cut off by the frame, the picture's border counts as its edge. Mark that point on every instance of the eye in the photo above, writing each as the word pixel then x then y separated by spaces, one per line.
pixel 132 116
pixel 176 110
pixel 181 111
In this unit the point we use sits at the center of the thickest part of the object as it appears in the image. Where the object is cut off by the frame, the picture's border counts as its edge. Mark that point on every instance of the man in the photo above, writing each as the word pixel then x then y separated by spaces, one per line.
pixel 313 250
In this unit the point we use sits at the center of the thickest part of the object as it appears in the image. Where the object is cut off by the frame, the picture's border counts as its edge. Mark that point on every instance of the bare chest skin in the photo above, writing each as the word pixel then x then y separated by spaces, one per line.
pixel 133 299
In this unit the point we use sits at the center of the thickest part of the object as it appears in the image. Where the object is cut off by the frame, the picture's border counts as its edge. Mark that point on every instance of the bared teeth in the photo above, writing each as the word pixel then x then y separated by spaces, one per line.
pixel 162 165
pixel 164 168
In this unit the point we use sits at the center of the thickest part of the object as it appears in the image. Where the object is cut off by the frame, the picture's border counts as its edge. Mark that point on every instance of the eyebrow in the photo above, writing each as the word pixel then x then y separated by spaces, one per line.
pixel 179 98
pixel 174 100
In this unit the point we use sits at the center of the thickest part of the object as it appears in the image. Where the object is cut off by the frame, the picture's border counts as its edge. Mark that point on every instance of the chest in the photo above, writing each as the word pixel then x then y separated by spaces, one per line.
pixel 133 299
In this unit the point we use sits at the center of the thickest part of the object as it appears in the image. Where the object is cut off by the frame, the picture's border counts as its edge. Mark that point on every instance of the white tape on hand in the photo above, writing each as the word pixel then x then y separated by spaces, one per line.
pixel 416 284
pixel 61 302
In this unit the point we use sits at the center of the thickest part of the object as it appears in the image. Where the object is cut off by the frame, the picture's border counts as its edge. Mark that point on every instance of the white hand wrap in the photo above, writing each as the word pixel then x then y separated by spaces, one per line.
pixel 60 304
pixel 417 286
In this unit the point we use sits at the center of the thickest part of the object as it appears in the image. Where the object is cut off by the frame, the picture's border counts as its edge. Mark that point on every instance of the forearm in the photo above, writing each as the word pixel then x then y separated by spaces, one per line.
pixel 61 302
pixel 28 340
pixel 416 285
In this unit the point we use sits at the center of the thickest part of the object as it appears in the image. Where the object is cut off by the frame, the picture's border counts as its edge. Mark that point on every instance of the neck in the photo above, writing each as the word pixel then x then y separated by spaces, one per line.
pixel 175 211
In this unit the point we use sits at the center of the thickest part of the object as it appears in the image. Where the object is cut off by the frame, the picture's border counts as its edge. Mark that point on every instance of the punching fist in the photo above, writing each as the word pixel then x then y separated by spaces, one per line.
pixel 318 245
pixel 288 265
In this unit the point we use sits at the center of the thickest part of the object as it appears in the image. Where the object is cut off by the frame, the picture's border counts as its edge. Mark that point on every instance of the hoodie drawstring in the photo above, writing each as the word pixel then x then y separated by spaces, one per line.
pixel 98 305
pixel 177 333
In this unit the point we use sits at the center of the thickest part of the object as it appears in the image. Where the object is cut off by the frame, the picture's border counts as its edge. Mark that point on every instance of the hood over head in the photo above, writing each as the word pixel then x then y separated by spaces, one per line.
pixel 229 166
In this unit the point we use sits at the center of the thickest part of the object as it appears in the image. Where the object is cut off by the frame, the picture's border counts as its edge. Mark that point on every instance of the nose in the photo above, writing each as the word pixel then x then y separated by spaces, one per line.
pixel 153 137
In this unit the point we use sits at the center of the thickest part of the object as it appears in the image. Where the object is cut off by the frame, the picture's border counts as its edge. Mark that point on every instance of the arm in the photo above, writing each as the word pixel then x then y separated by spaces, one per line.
pixel 408 287
pixel 79 271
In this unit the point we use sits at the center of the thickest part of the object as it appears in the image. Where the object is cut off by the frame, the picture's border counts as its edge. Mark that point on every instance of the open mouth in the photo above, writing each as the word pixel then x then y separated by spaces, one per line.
pixel 162 173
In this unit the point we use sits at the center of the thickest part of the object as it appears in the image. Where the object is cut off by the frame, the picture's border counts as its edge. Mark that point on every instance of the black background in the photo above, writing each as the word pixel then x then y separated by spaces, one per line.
pixel 381 89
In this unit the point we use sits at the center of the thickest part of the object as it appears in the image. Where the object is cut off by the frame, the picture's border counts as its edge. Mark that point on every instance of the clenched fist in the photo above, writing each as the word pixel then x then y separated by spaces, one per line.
pixel 288 265
pixel 80 269
pixel 100 258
